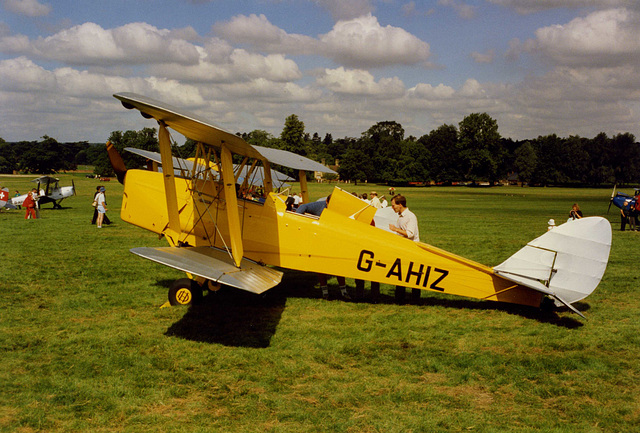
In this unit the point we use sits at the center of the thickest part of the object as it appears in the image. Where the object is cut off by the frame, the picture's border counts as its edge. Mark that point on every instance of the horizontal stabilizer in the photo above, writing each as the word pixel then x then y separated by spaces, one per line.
pixel 216 265
pixel 566 263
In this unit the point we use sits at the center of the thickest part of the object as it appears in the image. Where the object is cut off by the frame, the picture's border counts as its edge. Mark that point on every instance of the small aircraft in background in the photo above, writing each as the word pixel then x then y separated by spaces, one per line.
pixel 621 199
pixel 216 236
pixel 49 191
pixel 4 197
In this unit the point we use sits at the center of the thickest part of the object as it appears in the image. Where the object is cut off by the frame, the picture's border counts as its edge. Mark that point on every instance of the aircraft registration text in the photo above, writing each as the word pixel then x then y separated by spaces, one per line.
pixel 410 273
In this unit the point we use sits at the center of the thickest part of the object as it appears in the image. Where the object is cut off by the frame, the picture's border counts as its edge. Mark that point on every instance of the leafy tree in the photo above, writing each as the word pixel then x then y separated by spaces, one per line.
pixel 599 170
pixel 258 137
pixel 293 135
pixel 382 143
pixel 413 162
pixel 8 161
pixel 479 146
pixel 575 161
pixel 625 158
pixel 143 139
pixel 443 164
pixel 45 157
pixel 549 152
pixel 351 165
pixel 526 161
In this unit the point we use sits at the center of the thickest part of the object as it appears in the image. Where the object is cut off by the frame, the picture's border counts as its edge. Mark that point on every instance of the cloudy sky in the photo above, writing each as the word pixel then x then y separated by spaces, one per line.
pixel 570 67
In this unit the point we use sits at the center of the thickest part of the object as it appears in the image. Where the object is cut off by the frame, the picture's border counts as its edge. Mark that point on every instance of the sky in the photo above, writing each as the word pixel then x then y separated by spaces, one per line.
pixel 538 67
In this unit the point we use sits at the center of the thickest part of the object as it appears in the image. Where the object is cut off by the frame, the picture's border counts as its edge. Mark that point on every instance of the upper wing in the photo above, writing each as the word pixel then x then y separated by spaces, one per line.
pixel 195 127
pixel 292 160
pixel 45 179
pixel 188 124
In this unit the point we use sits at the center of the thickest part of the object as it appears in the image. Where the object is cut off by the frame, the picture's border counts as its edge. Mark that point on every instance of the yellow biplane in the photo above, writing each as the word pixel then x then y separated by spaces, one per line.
pixel 218 237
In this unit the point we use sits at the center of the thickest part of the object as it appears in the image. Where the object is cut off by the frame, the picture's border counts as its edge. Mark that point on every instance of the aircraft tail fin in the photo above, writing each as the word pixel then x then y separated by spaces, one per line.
pixel 116 162
pixel 566 263
pixel 4 197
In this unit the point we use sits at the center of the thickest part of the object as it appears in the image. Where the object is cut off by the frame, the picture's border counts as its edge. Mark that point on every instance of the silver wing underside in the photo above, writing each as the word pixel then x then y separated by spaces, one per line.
pixel 216 265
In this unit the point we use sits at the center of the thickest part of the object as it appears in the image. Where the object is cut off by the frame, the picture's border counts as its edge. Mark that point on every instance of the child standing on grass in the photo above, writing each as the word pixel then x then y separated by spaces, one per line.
pixel 102 207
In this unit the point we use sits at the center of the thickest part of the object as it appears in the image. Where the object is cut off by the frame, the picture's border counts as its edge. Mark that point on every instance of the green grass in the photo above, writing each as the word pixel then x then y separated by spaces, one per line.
pixel 84 345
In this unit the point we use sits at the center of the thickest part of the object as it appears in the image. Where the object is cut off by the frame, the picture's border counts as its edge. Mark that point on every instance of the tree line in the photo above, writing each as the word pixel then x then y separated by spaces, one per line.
pixel 472 151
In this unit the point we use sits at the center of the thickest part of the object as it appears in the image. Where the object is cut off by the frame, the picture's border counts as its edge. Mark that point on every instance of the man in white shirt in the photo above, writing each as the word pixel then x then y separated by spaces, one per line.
pixel 375 201
pixel 407 221
pixel 408 228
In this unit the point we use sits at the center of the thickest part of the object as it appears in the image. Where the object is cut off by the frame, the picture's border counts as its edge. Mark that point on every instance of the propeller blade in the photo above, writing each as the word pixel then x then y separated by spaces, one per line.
pixel 73 187
pixel 613 194
pixel 116 162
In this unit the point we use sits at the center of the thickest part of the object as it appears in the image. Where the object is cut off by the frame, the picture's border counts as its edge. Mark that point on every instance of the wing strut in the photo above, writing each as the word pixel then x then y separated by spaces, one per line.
pixel 169 181
pixel 267 182
pixel 232 204
pixel 304 190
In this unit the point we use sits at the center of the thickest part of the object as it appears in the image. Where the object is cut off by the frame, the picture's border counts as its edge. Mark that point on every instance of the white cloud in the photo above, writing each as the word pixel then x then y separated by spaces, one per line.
pixel 429 92
pixel 235 66
pixel 22 75
pixel 257 31
pixel 265 90
pixel 360 82
pixel 601 38
pixel 90 44
pixel 359 43
pixel 363 43
pixel 30 8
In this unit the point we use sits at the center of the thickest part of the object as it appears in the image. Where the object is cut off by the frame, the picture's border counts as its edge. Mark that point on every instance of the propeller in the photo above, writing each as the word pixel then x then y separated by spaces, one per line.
pixel 116 162
pixel 73 187
pixel 613 194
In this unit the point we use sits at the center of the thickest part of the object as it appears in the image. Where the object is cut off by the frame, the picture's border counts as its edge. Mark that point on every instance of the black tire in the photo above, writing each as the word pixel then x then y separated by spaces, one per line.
pixel 185 292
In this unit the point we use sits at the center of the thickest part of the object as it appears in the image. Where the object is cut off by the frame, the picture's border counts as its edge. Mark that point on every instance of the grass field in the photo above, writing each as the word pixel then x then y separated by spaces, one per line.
pixel 85 347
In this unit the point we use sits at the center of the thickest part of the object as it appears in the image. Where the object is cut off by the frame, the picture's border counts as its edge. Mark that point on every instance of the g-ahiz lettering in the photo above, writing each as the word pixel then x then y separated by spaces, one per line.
pixel 411 273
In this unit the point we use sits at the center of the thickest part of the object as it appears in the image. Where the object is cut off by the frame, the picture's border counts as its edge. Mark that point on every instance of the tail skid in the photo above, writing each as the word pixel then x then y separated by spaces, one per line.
pixel 566 263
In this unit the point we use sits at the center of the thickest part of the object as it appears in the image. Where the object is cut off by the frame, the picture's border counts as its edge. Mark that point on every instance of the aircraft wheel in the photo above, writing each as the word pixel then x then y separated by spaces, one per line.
pixel 185 292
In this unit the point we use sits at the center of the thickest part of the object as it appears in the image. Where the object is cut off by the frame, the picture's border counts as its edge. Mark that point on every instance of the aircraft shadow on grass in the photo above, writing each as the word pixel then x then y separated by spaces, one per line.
pixel 237 318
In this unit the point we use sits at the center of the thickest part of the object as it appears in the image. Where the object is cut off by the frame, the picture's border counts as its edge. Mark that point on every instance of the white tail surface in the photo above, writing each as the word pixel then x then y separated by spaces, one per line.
pixel 566 263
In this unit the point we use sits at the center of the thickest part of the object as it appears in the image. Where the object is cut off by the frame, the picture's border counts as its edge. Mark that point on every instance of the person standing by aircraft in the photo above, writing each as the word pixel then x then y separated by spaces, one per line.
pixel 625 213
pixel 575 213
pixel 36 197
pixel 375 201
pixel 407 220
pixel 95 209
pixel 407 226
pixel 101 207
pixel 632 217
pixel 30 206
